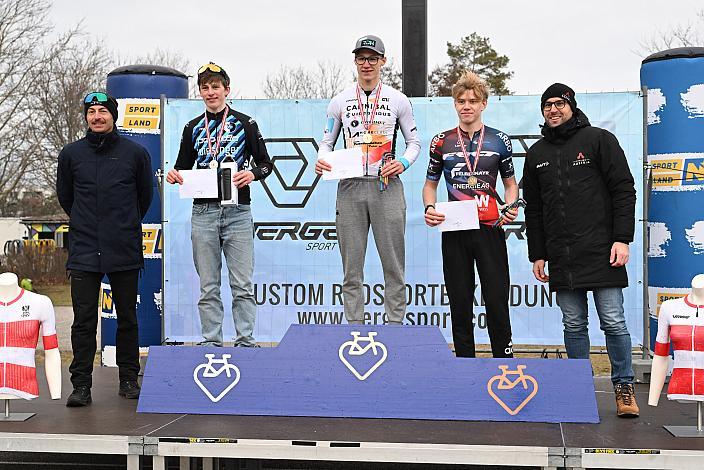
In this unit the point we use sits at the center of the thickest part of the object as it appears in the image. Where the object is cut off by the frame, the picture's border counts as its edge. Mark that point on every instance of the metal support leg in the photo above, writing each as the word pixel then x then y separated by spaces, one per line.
pixel 184 463
pixel 207 463
pixel 7 416
pixel 689 431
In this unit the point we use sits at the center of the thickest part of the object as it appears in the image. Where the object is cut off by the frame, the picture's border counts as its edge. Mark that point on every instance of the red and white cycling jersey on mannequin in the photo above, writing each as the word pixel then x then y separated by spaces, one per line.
pixel 681 324
pixel 20 320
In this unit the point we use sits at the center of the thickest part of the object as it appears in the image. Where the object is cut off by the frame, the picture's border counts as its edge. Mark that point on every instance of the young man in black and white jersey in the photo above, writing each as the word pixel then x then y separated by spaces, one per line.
pixel 217 136
pixel 369 115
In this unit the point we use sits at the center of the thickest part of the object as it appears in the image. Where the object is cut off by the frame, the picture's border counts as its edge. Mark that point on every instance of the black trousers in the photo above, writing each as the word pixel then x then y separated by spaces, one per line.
pixel 85 290
pixel 486 247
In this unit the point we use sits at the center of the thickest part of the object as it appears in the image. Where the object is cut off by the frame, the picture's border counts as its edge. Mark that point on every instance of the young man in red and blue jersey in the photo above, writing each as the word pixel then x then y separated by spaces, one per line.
pixel 471 156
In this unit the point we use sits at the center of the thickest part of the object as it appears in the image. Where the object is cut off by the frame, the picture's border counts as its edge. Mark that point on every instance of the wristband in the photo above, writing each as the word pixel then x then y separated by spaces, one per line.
pixel 427 207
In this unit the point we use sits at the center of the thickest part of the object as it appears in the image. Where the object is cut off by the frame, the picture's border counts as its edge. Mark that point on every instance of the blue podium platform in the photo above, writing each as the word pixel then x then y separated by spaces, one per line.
pixel 131 440
pixel 359 371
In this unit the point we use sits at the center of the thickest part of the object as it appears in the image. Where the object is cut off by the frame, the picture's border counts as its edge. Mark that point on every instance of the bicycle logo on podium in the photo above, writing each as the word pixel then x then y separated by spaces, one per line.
pixel 354 347
pixel 210 372
pixel 504 383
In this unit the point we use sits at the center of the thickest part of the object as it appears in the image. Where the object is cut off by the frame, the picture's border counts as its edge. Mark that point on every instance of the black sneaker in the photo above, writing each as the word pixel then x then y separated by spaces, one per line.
pixel 129 389
pixel 79 397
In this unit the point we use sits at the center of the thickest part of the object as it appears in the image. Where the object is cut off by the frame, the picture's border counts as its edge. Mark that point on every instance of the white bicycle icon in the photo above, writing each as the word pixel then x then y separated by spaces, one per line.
pixel 210 371
pixel 354 348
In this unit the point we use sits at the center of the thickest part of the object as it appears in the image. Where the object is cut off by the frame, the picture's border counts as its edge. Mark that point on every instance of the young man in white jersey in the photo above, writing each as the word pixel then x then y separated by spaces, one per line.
pixel 369 115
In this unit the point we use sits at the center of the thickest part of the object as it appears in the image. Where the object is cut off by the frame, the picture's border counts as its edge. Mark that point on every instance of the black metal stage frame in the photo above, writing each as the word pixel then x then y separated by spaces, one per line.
pixel 111 425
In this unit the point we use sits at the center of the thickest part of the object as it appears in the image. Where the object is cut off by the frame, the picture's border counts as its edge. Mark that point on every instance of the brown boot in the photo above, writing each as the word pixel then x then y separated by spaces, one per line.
pixel 626 406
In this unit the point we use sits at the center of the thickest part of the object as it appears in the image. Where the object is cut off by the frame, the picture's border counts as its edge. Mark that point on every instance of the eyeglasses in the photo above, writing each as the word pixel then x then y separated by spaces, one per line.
pixel 373 60
pixel 559 104
pixel 96 98
pixel 210 66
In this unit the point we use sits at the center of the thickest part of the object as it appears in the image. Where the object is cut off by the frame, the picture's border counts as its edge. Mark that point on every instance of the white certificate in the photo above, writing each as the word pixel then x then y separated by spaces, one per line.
pixel 198 184
pixel 346 163
pixel 459 215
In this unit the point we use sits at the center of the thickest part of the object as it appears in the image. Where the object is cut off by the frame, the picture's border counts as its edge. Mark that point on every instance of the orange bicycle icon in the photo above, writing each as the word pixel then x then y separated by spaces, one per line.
pixel 504 383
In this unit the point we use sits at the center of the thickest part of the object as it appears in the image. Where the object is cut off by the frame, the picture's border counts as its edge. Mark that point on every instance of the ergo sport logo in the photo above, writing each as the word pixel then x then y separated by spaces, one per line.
pixel 290 187
pixel 290 152
pixel 306 231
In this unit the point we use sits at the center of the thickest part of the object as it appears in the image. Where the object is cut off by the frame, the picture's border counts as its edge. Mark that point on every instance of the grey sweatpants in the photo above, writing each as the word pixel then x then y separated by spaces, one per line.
pixel 360 204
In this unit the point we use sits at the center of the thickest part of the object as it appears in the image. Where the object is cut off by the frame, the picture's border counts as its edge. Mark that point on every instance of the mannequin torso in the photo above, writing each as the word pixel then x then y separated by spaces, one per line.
pixel 22 315
pixel 9 290
pixel 680 327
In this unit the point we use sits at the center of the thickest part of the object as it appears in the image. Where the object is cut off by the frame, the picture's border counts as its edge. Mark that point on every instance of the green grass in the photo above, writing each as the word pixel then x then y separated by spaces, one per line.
pixel 60 294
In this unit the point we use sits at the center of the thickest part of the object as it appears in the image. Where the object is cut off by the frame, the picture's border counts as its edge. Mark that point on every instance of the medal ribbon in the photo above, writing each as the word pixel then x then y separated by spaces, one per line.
pixel 460 141
pixel 365 123
pixel 219 136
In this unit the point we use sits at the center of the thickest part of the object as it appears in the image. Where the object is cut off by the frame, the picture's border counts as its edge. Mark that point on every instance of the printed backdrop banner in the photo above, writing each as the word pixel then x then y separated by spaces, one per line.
pixel 298 270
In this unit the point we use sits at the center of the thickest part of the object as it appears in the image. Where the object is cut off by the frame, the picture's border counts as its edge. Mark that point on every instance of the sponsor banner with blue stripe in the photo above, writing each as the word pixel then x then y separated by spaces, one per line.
pixel 298 270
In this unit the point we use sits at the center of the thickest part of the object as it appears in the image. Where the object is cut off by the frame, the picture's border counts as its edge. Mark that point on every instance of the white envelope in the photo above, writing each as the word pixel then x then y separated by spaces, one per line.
pixel 201 184
pixel 346 163
pixel 459 215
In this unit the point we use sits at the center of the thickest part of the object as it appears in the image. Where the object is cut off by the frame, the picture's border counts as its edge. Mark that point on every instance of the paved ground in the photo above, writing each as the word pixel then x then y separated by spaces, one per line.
pixel 64 318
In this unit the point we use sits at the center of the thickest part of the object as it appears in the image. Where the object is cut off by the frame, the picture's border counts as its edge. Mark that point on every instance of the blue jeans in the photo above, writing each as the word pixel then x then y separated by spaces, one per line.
pixel 215 230
pixel 609 307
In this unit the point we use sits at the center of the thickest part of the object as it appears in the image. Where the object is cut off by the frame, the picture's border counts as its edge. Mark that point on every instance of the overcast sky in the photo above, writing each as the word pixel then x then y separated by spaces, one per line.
pixel 590 45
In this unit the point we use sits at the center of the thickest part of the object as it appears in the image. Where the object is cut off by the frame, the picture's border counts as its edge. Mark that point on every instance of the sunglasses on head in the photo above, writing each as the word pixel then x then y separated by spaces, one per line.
pixel 211 67
pixel 97 97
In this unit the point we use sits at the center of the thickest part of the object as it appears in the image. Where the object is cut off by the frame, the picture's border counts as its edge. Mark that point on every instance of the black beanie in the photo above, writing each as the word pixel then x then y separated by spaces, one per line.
pixel 110 104
pixel 559 90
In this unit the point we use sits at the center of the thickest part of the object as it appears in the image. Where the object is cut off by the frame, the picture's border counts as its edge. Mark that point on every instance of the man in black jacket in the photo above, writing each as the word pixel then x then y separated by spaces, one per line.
pixel 104 183
pixel 580 219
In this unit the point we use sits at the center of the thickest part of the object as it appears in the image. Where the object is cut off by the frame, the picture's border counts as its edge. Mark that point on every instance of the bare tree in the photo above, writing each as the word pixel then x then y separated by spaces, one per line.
pixel 166 58
pixel 24 31
pixel 330 79
pixel 301 83
pixel 73 69
pixel 679 35
pixel 391 75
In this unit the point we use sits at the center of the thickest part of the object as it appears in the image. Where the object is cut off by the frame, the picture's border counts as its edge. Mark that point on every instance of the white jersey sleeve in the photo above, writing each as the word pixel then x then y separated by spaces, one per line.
pixel 333 126
pixel 662 340
pixel 48 321
pixel 407 123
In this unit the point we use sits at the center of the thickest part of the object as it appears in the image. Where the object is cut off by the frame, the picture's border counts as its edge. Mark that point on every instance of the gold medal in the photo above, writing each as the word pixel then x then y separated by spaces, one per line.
pixel 213 164
pixel 472 181
pixel 367 138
